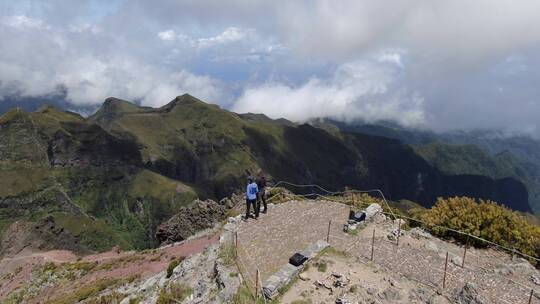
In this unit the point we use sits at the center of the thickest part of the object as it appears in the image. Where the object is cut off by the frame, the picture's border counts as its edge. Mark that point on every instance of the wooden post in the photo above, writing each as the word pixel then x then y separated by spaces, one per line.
pixel 530 297
pixel 445 267
pixel 328 233
pixel 257 285
pixel 464 253
pixel 398 231
pixel 236 244
pixel 372 244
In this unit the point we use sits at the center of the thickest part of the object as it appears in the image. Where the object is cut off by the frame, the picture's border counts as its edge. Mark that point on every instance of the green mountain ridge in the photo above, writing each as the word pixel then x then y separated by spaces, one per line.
pixel 112 178
pixel 477 152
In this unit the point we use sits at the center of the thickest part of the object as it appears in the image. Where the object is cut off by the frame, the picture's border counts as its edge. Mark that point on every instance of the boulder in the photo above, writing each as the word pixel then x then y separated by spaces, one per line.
pixel 420 233
pixel 469 295
pixel 438 299
pixel 189 220
pixel 456 260
pixel 373 210
pixel 391 294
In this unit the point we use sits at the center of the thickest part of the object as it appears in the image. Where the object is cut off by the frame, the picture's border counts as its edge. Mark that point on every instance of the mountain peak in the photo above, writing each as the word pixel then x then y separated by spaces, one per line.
pixel 185 100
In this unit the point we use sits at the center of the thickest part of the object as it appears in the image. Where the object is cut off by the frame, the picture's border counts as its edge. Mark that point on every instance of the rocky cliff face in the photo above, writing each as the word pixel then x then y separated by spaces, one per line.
pixel 198 216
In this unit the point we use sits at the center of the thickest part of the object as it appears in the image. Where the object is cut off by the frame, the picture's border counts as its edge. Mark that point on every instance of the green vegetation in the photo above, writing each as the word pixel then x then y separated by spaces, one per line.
pixel 85 292
pixel 172 265
pixel 111 298
pixel 17 181
pixel 150 184
pixel 244 295
pixel 174 293
pixel 465 159
pixel 227 254
pixel 484 219
pixel 321 266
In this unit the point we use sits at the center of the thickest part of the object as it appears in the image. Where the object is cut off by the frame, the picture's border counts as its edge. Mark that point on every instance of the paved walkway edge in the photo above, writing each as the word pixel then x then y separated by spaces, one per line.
pixel 287 273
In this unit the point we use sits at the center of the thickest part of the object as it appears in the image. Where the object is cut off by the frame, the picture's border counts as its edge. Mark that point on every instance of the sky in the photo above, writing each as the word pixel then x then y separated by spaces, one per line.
pixel 443 65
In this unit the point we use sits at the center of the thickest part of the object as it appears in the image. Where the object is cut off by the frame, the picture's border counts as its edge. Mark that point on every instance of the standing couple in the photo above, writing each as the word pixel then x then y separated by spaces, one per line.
pixel 255 194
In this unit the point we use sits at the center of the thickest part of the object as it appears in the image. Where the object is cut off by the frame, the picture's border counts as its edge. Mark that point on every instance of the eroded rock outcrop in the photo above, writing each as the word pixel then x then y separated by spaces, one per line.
pixel 198 216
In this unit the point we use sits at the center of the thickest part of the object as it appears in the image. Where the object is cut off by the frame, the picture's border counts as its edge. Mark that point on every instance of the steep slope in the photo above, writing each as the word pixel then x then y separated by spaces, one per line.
pixel 198 143
pixel 499 156
pixel 68 179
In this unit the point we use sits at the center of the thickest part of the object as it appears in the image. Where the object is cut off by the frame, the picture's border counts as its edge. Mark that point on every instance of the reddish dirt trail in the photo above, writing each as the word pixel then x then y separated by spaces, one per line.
pixel 15 271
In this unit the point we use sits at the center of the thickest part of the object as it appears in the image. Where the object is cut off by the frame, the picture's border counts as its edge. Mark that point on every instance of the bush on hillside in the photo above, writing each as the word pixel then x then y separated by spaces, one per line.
pixel 485 219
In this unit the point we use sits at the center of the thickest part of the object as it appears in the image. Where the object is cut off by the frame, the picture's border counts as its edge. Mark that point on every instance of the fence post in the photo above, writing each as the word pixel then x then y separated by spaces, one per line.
pixel 445 267
pixel 398 231
pixel 236 244
pixel 372 244
pixel 328 233
pixel 464 253
pixel 530 297
pixel 257 285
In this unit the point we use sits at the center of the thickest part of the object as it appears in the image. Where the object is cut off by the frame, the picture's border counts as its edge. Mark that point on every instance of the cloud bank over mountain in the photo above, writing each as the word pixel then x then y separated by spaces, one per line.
pixel 444 65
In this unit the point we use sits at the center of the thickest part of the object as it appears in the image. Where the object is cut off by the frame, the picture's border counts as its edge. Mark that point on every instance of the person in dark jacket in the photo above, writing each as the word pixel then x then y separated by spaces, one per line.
pixel 251 198
pixel 261 185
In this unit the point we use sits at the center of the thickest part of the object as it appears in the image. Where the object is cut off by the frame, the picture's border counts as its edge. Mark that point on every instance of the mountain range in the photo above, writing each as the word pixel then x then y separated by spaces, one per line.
pixel 88 184
pixel 478 152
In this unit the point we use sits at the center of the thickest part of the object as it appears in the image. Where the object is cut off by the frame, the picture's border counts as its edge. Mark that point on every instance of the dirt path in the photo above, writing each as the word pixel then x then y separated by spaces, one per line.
pixel 16 271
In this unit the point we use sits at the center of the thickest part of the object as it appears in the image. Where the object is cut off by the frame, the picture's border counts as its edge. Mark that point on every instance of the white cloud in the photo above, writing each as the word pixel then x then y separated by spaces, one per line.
pixel 231 34
pixel 360 89
pixel 168 35
pixel 450 63
pixel 22 22
pixel 39 59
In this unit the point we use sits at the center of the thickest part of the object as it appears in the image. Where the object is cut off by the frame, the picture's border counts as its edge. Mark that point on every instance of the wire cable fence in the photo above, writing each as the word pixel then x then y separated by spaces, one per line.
pixel 252 280
pixel 449 275
pixel 392 213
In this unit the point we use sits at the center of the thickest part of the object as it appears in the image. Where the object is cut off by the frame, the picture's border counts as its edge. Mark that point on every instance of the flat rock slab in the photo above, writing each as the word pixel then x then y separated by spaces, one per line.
pixel 288 272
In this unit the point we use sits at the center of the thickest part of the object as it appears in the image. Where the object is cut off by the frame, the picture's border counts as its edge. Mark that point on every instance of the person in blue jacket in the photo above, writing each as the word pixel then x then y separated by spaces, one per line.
pixel 251 197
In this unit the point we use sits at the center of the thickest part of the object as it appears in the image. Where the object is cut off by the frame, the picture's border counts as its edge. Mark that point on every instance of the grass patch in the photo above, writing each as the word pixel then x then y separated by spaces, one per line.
pixel 120 262
pixel 332 251
pixel 172 265
pixel 322 266
pixel 174 293
pixel 227 254
pixel 85 292
pixel 353 232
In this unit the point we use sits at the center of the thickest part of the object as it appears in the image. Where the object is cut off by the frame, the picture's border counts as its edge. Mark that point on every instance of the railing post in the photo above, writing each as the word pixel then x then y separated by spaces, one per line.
pixel 236 244
pixel 372 244
pixel 464 253
pixel 445 267
pixel 328 233
pixel 398 231
pixel 256 285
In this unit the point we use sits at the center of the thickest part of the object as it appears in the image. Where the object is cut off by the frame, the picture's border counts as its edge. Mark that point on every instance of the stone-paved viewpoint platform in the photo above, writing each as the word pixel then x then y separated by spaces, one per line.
pixel 267 244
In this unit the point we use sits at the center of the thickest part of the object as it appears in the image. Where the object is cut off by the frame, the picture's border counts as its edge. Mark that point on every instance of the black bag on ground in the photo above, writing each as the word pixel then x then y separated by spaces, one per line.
pixel 297 259
pixel 359 216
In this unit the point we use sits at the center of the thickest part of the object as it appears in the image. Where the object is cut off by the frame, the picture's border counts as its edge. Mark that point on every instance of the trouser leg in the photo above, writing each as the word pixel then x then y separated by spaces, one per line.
pixel 248 203
pixel 263 199
pixel 257 207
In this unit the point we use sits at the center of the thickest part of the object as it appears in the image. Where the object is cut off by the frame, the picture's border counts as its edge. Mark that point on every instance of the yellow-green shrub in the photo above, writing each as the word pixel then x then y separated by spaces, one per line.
pixel 485 219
